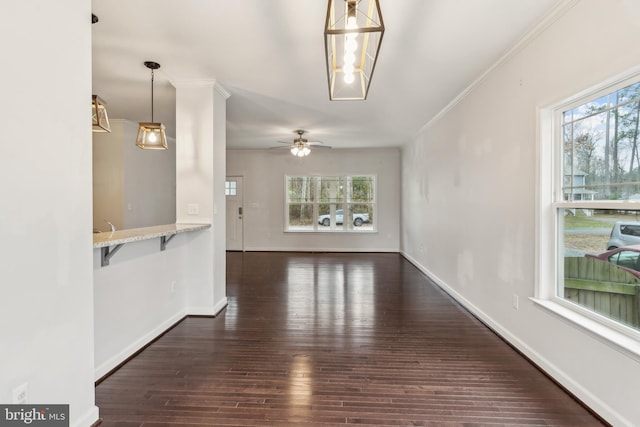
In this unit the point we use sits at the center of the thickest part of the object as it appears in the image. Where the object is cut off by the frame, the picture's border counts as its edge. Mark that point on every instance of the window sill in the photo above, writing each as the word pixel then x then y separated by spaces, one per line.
pixel 333 231
pixel 620 341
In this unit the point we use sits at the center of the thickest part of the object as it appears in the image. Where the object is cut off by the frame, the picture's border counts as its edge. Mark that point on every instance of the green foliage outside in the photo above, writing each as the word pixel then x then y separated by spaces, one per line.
pixel 572 221
pixel 599 218
pixel 333 190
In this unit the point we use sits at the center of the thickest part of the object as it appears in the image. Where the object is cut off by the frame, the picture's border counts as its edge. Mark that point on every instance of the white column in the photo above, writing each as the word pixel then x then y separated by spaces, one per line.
pixel 46 307
pixel 200 198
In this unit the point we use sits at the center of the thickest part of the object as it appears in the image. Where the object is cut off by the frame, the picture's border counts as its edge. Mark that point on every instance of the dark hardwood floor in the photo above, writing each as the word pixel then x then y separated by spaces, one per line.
pixel 332 339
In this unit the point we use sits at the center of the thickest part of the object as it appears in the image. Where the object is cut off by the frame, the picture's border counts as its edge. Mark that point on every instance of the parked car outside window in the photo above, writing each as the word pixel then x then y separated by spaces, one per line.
pixel 358 219
pixel 624 233
pixel 625 257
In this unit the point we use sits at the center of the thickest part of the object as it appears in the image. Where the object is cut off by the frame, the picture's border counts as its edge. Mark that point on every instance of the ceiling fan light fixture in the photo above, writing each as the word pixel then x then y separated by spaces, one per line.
pixel 151 136
pixel 300 148
pixel 352 38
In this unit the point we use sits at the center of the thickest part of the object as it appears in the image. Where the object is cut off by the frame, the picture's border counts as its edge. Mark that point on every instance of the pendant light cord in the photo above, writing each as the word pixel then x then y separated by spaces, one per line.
pixel 152 96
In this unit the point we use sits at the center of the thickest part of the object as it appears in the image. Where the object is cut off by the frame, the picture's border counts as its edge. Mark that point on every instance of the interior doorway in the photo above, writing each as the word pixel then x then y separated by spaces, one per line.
pixel 235 214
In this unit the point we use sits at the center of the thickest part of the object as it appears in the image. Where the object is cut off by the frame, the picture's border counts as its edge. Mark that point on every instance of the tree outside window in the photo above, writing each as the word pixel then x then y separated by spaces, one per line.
pixel 596 184
pixel 330 203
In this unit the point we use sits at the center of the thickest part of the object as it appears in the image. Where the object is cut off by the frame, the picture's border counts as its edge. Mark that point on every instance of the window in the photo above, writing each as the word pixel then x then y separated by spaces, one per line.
pixel 589 189
pixel 627 259
pixel 319 203
pixel 230 188
pixel 630 230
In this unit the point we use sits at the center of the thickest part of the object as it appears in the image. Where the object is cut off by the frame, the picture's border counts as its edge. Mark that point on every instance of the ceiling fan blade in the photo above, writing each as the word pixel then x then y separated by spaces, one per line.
pixel 300 142
pixel 281 148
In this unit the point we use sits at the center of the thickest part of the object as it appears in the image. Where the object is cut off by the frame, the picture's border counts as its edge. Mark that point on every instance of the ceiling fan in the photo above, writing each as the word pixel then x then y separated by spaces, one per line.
pixel 301 147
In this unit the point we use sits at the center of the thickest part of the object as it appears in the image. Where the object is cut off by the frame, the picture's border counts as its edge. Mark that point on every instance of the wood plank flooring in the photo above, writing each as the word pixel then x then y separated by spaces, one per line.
pixel 333 339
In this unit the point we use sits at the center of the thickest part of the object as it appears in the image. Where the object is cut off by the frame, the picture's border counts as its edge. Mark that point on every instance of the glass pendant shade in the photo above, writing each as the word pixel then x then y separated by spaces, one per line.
pixel 151 136
pixel 99 116
pixel 353 29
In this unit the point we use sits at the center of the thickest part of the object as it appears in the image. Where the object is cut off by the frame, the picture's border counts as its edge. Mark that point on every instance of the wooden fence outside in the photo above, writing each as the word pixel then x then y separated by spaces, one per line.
pixel 603 288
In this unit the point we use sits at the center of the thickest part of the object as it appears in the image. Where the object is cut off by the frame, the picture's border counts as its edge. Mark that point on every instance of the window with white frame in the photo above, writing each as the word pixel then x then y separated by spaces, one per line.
pixel 590 205
pixel 230 188
pixel 330 203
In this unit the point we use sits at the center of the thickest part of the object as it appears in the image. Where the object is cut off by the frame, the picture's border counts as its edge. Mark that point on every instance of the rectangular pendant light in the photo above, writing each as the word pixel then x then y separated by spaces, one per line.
pixel 352 38
pixel 99 117
pixel 151 136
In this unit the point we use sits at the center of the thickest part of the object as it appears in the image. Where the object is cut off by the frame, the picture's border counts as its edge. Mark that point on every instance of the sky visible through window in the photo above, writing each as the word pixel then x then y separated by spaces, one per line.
pixel 601 152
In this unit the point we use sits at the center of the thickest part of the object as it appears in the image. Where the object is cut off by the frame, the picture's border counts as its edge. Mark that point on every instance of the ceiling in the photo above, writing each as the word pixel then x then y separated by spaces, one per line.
pixel 269 55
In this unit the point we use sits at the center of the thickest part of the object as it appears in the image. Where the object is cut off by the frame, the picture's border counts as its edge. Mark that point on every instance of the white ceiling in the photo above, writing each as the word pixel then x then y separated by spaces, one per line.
pixel 269 54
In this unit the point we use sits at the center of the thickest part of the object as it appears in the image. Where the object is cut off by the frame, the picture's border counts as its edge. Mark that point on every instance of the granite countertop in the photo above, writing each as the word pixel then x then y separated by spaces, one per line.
pixel 108 238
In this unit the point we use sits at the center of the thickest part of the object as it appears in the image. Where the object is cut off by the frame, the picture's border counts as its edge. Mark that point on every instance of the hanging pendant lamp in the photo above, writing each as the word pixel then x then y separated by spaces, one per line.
pixel 151 136
pixel 352 37
pixel 99 116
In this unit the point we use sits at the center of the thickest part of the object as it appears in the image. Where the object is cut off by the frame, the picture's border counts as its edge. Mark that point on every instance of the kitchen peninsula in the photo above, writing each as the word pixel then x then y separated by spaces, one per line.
pixel 105 240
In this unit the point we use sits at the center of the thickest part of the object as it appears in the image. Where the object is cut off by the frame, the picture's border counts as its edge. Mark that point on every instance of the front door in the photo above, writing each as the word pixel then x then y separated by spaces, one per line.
pixel 233 192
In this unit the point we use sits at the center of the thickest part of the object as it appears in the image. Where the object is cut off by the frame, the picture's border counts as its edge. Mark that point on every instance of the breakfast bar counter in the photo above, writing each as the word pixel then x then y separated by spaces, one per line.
pixel 110 241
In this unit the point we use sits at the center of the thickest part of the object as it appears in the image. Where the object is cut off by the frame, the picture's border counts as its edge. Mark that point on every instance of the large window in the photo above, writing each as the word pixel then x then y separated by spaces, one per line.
pixel 330 203
pixel 590 206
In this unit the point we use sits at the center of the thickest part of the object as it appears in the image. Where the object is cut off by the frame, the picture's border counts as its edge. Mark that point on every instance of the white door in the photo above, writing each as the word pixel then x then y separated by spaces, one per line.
pixel 233 192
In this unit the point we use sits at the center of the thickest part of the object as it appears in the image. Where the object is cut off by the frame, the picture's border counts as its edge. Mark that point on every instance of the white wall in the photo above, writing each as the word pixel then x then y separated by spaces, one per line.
pixel 144 290
pixel 264 171
pixel 132 187
pixel 220 97
pixel 200 163
pixel 108 177
pixel 46 310
pixel 141 293
pixel 468 197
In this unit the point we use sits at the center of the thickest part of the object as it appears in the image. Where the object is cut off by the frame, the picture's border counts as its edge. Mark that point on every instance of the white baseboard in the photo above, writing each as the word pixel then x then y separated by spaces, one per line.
pixel 587 397
pixel 208 311
pixel 88 418
pixel 117 359
pixel 220 306
pixel 299 249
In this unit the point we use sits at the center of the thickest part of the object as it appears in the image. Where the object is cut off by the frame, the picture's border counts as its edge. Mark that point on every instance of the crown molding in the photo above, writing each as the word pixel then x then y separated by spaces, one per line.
pixel 190 83
pixel 549 19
